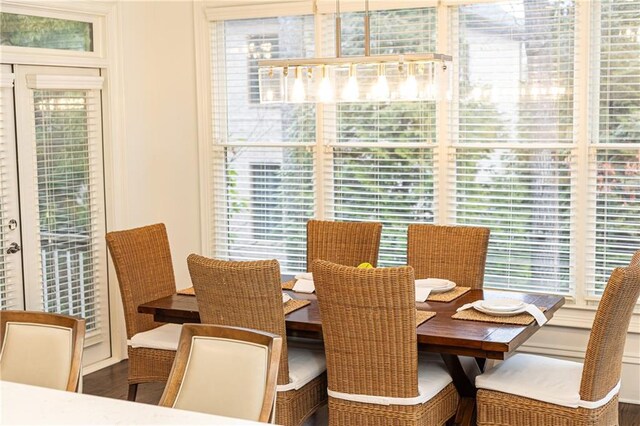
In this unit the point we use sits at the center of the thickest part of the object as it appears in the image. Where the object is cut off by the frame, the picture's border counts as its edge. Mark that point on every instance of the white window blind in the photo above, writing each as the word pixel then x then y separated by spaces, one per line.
pixel 69 201
pixel 263 155
pixel 381 155
pixel 7 276
pixel 512 168
pixel 615 139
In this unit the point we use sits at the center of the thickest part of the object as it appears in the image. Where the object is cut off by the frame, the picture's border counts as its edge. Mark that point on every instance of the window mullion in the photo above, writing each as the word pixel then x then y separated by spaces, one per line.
pixel 442 154
pixel 583 233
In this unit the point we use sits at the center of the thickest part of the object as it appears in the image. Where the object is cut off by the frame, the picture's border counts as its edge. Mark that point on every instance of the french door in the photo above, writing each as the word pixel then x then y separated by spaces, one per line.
pixel 52 217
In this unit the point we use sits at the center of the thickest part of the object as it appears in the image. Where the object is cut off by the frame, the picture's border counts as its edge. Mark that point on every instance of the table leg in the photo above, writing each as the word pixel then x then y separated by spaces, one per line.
pixel 466 413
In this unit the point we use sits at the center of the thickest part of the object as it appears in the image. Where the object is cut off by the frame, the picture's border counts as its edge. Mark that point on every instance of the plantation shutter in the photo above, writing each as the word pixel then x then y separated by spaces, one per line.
pixel 614 185
pixel 9 291
pixel 263 155
pixel 64 222
pixel 380 156
pixel 512 164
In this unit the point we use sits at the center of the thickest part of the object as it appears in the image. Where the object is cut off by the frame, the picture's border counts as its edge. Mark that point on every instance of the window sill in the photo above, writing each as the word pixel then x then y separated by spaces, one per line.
pixel 573 316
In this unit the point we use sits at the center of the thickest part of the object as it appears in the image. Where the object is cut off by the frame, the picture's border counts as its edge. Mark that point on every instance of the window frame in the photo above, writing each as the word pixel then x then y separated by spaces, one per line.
pixel 90 13
pixel 580 306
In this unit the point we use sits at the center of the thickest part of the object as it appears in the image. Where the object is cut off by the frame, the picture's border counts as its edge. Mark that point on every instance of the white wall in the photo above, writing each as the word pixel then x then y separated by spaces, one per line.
pixel 160 123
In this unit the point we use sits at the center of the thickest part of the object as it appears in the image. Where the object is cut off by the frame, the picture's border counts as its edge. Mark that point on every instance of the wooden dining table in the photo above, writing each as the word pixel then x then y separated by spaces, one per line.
pixel 441 334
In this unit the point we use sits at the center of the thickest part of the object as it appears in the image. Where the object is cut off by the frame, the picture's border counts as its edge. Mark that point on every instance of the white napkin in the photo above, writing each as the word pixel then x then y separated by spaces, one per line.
pixel 465 307
pixel 285 298
pixel 537 314
pixel 304 286
pixel 422 293
pixel 304 276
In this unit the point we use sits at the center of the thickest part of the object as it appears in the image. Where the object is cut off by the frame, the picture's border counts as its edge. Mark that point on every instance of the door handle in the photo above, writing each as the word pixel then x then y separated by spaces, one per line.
pixel 13 248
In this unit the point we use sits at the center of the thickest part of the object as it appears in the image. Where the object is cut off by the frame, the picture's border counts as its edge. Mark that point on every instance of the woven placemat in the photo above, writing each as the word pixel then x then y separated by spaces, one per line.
pixel 294 305
pixel 288 285
pixel 422 316
pixel 189 291
pixel 449 295
pixel 473 315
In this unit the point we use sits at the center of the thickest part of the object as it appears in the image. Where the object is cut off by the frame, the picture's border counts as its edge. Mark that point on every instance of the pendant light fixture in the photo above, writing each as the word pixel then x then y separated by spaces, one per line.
pixel 368 78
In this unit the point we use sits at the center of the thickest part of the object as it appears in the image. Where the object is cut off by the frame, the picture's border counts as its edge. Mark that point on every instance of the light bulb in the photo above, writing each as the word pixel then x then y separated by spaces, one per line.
pixel 325 91
pixel 431 91
pixel 380 91
pixel 351 91
pixel 297 93
pixel 409 88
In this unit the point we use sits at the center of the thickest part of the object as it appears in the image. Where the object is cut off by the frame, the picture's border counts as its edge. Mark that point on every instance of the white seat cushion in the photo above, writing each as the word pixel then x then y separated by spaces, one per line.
pixel 164 337
pixel 304 365
pixel 551 380
pixel 433 377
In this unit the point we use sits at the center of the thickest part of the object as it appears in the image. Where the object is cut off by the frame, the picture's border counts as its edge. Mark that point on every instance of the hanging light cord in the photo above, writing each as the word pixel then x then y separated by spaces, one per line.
pixel 338 30
pixel 367 30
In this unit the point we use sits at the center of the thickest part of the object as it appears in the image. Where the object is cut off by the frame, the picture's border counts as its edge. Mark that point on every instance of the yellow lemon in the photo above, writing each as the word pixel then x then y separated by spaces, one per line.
pixel 365 265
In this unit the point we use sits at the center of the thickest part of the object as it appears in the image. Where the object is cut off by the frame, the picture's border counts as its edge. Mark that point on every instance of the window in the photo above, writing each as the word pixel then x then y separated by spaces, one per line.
pixel 513 120
pixel 48 33
pixel 261 211
pixel 534 144
pixel 614 150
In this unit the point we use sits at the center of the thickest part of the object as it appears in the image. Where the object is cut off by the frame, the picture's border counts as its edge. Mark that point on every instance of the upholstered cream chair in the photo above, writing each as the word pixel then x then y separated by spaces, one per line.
pixel 142 260
pixel 41 349
pixel 536 390
pixel 344 243
pixel 249 294
pixel 456 253
pixel 227 371
pixel 374 373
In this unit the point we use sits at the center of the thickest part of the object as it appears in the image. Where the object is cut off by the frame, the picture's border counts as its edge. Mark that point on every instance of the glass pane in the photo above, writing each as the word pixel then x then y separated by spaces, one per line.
pixel 617 211
pixel 240 45
pixel 618 63
pixel 524 196
pixel 63 124
pixel 267 196
pixel 48 33
pixel 394 186
pixel 515 68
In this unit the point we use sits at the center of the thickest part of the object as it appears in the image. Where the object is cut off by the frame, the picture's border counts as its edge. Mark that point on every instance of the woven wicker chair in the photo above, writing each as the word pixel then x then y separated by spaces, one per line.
pixel 344 243
pixel 248 294
pixel 534 390
pixel 142 260
pixel 369 327
pixel 228 371
pixel 41 349
pixel 456 253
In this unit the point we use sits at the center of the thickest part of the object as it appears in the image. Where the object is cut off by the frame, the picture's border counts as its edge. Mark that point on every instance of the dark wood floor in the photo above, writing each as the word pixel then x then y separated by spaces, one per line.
pixel 112 383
